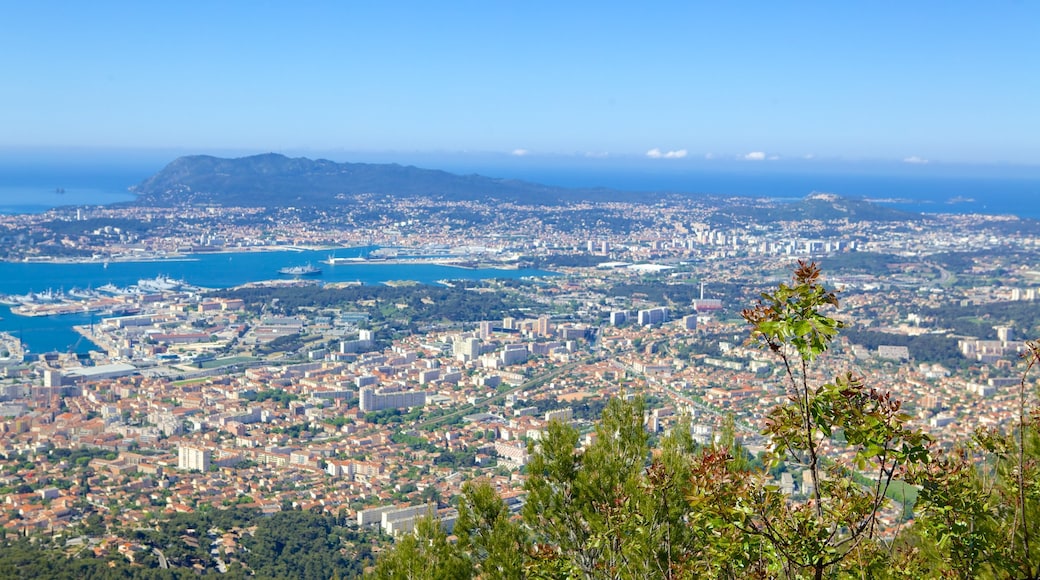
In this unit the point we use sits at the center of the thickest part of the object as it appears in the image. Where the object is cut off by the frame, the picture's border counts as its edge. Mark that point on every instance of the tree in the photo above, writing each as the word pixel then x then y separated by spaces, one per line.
pixel 979 503
pixel 425 555
pixel 577 501
pixel 838 522
pixel 497 545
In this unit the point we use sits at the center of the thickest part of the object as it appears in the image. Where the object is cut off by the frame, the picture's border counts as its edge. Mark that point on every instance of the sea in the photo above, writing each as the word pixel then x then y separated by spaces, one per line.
pixel 36 187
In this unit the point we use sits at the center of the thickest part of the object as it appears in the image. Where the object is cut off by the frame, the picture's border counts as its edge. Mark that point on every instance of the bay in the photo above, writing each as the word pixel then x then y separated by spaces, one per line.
pixel 217 270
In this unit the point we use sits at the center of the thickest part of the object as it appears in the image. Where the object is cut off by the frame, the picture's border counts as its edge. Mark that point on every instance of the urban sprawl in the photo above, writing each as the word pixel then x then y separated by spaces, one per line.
pixel 372 410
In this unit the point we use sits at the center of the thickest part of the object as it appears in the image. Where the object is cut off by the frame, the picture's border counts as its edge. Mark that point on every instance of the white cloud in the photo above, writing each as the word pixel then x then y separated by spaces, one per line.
pixel 915 159
pixel 520 152
pixel 774 157
pixel 597 154
pixel 755 156
pixel 709 156
pixel 656 153
pixel 809 156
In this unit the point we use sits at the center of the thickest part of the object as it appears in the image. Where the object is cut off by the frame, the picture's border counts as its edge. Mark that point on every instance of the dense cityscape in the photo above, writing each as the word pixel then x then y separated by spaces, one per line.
pixel 504 291
pixel 376 404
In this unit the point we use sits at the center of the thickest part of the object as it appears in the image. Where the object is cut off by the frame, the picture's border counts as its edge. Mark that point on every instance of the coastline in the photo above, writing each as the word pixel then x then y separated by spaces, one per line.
pixel 14 348
pixel 169 256
pixel 440 260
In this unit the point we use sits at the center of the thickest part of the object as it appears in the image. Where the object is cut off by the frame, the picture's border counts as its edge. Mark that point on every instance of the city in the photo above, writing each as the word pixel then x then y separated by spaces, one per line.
pixel 377 404
pixel 496 291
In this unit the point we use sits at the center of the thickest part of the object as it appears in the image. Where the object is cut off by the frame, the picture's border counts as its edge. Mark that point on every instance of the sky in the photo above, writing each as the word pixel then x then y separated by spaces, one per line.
pixel 913 83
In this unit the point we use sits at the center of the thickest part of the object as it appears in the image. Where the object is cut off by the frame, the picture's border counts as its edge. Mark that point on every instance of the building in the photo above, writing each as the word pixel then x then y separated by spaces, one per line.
pixel 99 372
pixel 194 459
pixel 467 349
pixel 1004 333
pixel 889 352
pixel 485 329
pixel 562 415
pixel 373 399
pixel 512 455
pixel 513 354
pixel 707 304
pixel 652 316
pixel 542 327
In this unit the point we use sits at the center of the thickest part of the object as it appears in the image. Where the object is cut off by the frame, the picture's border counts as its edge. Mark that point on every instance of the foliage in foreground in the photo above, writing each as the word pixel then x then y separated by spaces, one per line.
pixel 289 544
pixel 616 508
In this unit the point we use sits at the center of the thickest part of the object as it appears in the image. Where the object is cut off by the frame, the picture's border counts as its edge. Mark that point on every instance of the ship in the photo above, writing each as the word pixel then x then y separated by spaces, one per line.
pixel 160 283
pixel 305 270
pixel 332 260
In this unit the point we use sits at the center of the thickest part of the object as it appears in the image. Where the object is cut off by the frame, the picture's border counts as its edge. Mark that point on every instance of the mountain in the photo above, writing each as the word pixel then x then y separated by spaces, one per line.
pixel 273 180
pixel 276 180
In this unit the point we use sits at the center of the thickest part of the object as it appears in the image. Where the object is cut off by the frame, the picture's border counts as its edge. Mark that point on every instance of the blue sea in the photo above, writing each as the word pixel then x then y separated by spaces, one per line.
pixel 38 186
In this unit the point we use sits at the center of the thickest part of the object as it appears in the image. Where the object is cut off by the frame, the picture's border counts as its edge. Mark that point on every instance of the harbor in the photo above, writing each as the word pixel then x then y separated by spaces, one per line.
pixel 42 302
pixel 108 299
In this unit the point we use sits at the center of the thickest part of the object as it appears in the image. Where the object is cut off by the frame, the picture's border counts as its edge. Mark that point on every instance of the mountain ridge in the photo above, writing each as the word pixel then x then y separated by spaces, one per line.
pixel 275 180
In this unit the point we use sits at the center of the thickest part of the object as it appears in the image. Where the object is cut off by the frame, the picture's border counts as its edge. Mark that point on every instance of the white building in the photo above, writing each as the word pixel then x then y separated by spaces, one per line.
pixel 372 399
pixel 194 459
pixel 467 349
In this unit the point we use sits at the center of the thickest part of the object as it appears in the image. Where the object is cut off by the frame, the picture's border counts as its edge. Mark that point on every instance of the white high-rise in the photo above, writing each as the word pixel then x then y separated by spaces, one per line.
pixel 194 459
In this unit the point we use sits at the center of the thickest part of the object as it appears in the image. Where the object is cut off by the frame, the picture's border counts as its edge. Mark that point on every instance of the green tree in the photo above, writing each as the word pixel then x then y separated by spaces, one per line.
pixel 425 555
pixel 979 504
pixel 577 501
pixel 486 530
pixel 615 510
pixel 837 525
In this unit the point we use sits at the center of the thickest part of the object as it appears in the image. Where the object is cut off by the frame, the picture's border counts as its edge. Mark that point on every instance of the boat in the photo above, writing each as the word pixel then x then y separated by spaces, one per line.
pixel 306 270
pixel 160 283
pixel 332 260
pixel 82 294
pixel 112 289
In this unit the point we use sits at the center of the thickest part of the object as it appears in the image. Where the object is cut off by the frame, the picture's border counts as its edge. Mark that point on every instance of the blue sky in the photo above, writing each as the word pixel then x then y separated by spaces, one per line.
pixel 675 82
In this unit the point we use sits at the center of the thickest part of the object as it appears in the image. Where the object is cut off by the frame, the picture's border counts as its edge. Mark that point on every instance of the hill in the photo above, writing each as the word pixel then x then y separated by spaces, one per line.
pixel 815 206
pixel 276 180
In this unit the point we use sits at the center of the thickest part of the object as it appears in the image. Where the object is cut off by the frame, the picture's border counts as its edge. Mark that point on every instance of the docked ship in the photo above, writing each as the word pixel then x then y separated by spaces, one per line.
pixel 160 284
pixel 306 270
pixel 334 261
